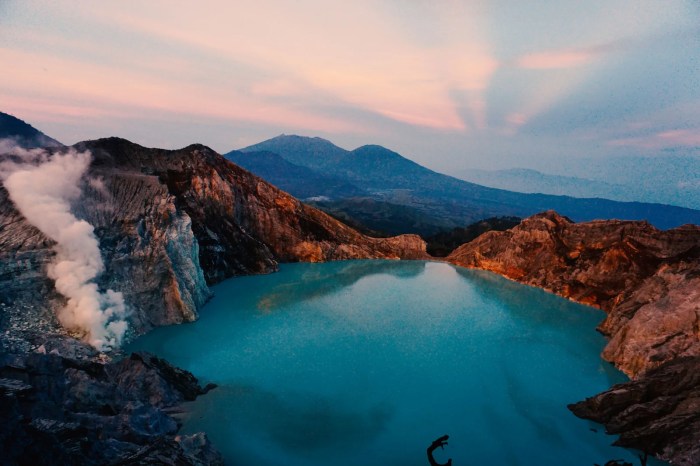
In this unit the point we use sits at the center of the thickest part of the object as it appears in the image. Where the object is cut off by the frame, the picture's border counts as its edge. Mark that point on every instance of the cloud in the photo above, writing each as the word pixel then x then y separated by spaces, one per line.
pixel 42 187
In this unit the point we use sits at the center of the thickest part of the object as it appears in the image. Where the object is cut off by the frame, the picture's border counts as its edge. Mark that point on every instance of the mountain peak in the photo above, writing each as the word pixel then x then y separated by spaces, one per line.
pixel 312 152
pixel 375 150
pixel 292 140
pixel 297 137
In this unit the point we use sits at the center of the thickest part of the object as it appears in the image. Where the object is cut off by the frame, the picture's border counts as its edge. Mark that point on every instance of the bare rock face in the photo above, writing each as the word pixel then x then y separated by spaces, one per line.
pixel 169 224
pixel 647 280
pixel 659 413
pixel 24 256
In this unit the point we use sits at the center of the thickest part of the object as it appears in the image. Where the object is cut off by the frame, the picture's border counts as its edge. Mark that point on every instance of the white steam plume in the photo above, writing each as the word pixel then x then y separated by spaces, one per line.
pixel 42 187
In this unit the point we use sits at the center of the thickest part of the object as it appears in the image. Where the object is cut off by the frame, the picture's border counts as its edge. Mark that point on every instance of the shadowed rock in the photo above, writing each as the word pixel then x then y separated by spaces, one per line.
pixel 658 414
pixel 61 410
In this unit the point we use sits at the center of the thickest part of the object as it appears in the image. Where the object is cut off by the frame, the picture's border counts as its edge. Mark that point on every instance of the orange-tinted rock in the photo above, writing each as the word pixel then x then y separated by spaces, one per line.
pixel 647 280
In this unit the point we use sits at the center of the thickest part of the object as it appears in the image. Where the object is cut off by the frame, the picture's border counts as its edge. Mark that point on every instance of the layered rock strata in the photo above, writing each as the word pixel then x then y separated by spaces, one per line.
pixel 658 413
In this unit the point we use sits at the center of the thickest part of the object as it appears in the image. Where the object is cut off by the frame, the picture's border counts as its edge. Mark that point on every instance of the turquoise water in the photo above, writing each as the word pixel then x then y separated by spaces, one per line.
pixel 367 362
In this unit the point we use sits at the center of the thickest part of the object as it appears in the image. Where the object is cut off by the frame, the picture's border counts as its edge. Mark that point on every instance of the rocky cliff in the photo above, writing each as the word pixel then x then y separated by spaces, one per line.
pixel 648 283
pixel 647 280
pixel 658 413
pixel 169 224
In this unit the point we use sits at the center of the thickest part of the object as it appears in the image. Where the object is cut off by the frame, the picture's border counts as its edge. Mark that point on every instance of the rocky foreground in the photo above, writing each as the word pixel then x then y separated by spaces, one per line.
pixel 648 282
pixel 658 413
pixel 60 405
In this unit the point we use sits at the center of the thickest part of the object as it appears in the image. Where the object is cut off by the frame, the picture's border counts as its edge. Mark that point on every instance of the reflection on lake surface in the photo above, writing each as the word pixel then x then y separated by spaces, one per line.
pixel 367 362
pixel 318 282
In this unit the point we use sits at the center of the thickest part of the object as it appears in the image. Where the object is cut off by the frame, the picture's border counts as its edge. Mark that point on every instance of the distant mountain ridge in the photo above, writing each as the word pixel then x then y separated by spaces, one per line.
pixel 388 177
pixel 23 134
pixel 527 180
pixel 673 180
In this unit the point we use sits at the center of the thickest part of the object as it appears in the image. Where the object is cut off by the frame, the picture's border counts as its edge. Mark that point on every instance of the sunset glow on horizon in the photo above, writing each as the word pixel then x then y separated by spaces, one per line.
pixel 448 84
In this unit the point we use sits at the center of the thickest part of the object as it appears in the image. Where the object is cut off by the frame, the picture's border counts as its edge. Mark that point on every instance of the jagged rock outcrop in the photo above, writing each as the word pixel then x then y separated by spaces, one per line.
pixel 647 280
pixel 60 409
pixel 658 413
pixel 169 224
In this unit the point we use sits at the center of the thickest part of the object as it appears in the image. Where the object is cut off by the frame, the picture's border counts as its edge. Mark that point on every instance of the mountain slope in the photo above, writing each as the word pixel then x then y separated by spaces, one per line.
pixel 23 134
pixel 301 182
pixel 667 180
pixel 381 217
pixel 314 153
pixel 390 177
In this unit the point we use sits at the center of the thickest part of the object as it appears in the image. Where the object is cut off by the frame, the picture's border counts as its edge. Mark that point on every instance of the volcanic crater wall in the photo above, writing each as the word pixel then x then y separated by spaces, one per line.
pixel 169 224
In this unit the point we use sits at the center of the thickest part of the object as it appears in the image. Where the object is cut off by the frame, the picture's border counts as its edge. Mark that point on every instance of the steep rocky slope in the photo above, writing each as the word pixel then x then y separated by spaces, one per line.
pixel 170 223
pixel 648 282
pixel 658 413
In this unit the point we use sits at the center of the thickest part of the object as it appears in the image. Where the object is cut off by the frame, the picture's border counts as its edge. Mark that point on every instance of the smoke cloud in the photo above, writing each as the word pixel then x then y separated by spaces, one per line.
pixel 42 187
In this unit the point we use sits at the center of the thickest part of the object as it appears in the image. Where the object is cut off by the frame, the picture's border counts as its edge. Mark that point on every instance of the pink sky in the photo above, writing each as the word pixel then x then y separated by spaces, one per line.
pixel 446 83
